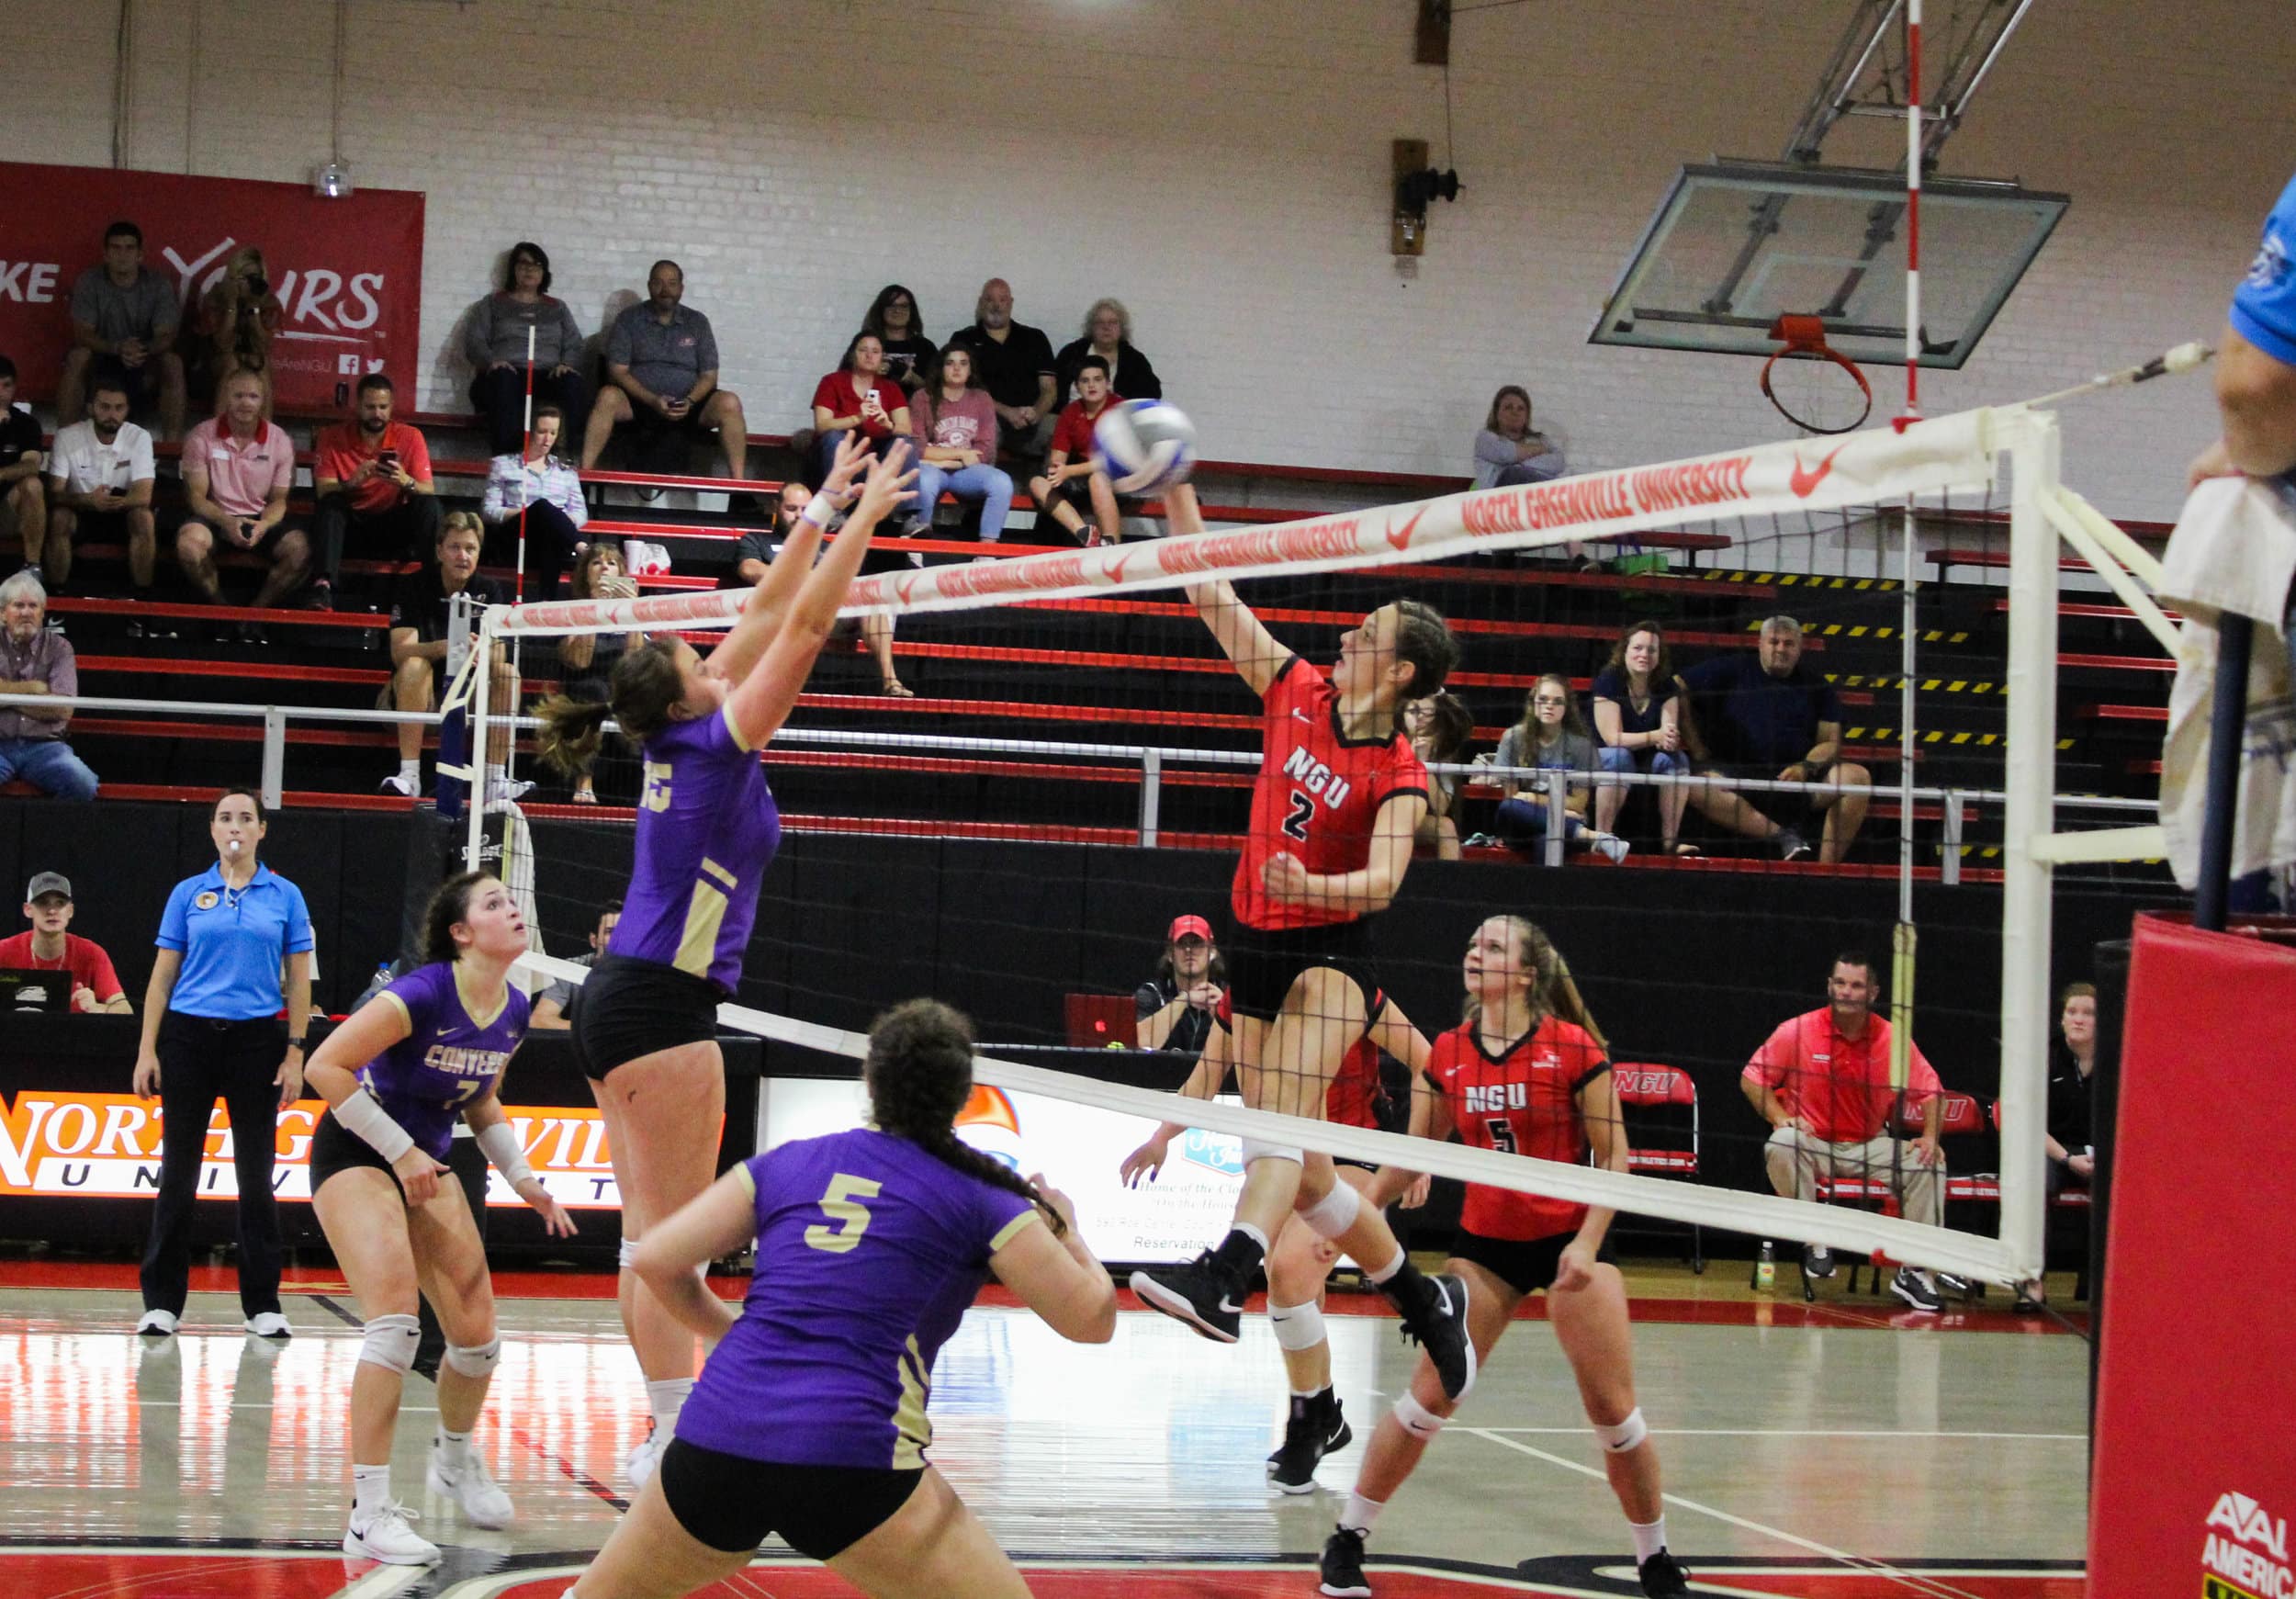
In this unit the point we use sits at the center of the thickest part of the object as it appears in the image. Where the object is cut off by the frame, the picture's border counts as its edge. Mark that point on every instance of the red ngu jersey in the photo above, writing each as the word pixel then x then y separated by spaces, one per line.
pixel 1352 1097
pixel 1317 796
pixel 1523 1102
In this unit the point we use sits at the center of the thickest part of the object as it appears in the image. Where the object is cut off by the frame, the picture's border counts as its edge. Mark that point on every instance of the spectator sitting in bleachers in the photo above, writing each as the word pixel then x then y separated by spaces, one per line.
pixel 34 660
pixel 1068 480
pixel 124 323
pixel 494 340
pixel 22 455
pixel 100 477
pixel 1765 713
pixel 549 1012
pixel 540 483
pixel 1637 717
pixel 2072 1136
pixel 424 641
pixel 1173 1010
pixel 955 425
pixel 1108 334
pixel 900 327
pixel 237 471
pixel 1439 727
pixel 586 660
pixel 756 552
pixel 49 948
pixel 661 375
pixel 858 398
pixel 239 317
pixel 1508 450
pixel 1014 363
pixel 373 478
pixel 1552 737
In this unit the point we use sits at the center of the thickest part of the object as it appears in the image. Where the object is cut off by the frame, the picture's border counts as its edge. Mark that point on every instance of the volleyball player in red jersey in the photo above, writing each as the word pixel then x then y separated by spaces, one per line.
pixel 1301 1259
pixel 1339 798
pixel 1527 1073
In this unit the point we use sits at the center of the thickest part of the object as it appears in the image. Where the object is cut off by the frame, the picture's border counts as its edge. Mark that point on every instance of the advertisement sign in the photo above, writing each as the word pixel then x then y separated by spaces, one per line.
pixel 107 1146
pixel 349 272
pixel 1076 1149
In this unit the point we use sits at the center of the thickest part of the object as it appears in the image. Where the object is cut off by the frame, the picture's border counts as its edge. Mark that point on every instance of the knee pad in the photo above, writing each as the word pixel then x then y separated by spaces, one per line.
pixel 1295 1327
pixel 1628 1434
pixel 390 1341
pixel 1331 1215
pixel 627 1254
pixel 475 1359
pixel 1418 1421
pixel 1255 1149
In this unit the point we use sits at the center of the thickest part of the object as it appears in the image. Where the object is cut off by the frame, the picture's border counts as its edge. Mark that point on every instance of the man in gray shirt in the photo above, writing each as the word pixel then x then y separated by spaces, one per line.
pixel 661 375
pixel 123 326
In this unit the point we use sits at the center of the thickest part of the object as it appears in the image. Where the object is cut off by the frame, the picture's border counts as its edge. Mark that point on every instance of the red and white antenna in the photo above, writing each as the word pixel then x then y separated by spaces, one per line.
pixel 1913 214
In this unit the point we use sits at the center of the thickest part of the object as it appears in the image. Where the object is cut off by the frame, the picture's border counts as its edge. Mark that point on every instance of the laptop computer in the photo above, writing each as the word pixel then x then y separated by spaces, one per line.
pixel 1096 1020
pixel 22 989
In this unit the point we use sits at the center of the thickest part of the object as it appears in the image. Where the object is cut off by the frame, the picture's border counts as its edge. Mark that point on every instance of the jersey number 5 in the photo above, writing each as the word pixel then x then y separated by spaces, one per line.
pixel 1502 1133
pixel 656 795
pixel 842 1205
pixel 1302 813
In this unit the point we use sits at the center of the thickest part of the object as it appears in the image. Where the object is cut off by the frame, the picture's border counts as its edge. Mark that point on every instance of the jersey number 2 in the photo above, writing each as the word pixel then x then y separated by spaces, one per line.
pixel 1302 813
pixel 842 1205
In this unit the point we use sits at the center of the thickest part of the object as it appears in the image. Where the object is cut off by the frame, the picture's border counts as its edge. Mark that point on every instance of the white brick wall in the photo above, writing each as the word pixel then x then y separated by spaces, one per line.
pixel 1221 165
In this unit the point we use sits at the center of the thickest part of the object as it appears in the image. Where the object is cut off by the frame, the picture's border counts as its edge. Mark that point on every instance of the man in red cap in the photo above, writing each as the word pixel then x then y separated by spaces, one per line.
pixel 1175 1010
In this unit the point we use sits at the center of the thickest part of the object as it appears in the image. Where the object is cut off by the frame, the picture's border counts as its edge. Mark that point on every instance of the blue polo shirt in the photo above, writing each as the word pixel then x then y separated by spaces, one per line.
pixel 2264 306
pixel 1749 717
pixel 234 943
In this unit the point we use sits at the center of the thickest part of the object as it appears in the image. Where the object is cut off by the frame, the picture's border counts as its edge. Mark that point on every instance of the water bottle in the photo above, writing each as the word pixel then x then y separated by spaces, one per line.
pixel 1766 1267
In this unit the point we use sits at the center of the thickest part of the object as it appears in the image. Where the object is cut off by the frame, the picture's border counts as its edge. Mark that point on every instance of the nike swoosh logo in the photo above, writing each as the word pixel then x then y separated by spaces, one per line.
pixel 1303 716
pixel 1229 1307
pixel 1403 537
pixel 903 587
pixel 1804 482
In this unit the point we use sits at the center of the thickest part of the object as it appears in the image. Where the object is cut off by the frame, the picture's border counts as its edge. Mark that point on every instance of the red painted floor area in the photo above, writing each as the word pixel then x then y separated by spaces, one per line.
pixel 141 1574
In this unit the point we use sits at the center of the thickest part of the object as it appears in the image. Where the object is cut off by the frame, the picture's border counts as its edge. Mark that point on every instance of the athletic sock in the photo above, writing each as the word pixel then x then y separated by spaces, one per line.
pixel 1360 1512
pixel 1649 1537
pixel 1312 1394
pixel 666 1399
pixel 1240 1252
pixel 411 771
pixel 454 1449
pixel 370 1488
pixel 1397 1277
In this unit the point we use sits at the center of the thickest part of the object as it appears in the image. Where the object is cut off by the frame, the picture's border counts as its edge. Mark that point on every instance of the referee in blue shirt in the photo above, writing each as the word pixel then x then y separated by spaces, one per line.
pixel 211 1028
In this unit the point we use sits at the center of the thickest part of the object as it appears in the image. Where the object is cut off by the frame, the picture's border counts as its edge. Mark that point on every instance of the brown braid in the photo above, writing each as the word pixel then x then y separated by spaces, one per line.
pixel 919 1071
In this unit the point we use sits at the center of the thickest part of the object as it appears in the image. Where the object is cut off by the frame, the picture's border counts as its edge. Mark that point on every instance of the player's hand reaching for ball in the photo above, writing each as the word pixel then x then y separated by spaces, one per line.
pixel 1284 877
pixel 418 1174
pixel 852 457
pixel 889 479
pixel 556 1221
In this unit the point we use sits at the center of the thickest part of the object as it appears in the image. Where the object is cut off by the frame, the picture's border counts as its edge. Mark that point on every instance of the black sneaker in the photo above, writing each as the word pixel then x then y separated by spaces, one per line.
pixel 1792 846
pixel 1914 1288
pixel 320 596
pixel 1818 1262
pixel 1314 1429
pixel 1343 1565
pixel 1198 1293
pixel 1438 1325
pixel 1664 1576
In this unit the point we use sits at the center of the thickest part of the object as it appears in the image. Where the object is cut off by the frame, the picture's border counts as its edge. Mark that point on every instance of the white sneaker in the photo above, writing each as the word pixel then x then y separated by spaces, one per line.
pixel 161 1323
pixel 482 1498
pixel 1610 847
pixel 405 787
pixel 638 1465
pixel 387 1537
pixel 269 1324
pixel 505 790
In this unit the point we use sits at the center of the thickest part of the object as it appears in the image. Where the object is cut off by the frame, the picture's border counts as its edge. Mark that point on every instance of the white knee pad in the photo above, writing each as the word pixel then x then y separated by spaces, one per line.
pixel 1331 1215
pixel 1628 1434
pixel 476 1359
pixel 1255 1149
pixel 627 1254
pixel 390 1341
pixel 1418 1420
pixel 1295 1327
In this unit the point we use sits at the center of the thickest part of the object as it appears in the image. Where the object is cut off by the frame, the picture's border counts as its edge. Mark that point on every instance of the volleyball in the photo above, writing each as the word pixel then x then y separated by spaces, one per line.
pixel 1144 445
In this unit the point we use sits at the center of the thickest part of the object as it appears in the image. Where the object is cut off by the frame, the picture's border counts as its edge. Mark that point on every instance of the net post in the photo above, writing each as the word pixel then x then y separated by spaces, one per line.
pixel 1949 858
pixel 2028 818
pixel 1150 795
pixel 274 755
pixel 1557 809
pixel 474 800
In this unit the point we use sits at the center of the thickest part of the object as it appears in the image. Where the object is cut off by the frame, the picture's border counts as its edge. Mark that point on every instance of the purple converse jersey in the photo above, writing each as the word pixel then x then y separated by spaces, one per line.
pixel 707 829
pixel 868 1250
pixel 448 1058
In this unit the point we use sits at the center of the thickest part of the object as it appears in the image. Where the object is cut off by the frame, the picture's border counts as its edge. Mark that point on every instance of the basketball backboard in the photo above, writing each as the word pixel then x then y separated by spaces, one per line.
pixel 1737 244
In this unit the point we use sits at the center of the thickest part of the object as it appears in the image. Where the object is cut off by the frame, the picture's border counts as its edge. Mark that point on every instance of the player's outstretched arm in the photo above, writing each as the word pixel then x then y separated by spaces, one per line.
pixel 1202 1084
pixel 1257 654
pixel 744 644
pixel 762 701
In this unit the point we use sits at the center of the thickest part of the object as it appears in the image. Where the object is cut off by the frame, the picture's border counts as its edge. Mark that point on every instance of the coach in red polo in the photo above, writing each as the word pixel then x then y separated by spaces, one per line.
pixel 1821 1081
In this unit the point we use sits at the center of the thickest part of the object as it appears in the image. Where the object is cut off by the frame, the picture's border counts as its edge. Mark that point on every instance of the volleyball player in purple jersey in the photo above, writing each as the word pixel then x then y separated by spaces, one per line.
pixel 645 1022
pixel 428 1050
pixel 810 1418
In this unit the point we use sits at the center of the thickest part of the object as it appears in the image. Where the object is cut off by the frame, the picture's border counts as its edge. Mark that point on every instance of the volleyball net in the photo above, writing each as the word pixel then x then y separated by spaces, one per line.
pixel 1029 837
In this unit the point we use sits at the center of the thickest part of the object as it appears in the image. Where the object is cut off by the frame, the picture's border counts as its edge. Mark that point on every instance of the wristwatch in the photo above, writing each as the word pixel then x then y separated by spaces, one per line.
pixel 295 1044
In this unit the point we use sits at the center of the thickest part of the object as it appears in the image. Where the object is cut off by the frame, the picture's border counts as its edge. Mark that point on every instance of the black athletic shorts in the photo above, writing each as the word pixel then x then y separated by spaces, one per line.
pixel 629 1008
pixel 335 1148
pixel 731 1504
pixel 1525 1264
pixel 1263 964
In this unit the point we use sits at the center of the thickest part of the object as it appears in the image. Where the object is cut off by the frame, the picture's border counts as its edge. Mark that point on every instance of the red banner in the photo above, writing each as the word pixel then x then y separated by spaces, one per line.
pixel 348 271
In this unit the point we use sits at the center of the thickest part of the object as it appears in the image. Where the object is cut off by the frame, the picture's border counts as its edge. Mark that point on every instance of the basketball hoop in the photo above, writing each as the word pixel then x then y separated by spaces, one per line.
pixel 1818 389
